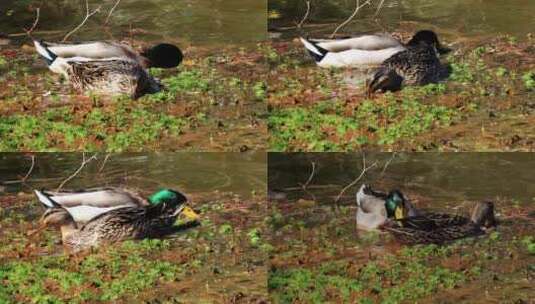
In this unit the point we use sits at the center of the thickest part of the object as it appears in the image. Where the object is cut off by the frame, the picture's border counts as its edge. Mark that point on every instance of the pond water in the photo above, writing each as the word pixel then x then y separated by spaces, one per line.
pixel 239 173
pixel 198 22
pixel 466 17
pixel 449 178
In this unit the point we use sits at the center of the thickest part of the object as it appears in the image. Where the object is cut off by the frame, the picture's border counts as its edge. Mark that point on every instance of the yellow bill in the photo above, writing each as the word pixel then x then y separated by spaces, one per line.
pixel 399 213
pixel 190 214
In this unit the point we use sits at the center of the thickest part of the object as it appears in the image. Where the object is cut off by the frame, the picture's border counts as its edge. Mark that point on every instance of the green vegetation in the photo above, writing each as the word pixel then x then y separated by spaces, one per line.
pixel 313 109
pixel 220 253
pixel 197 102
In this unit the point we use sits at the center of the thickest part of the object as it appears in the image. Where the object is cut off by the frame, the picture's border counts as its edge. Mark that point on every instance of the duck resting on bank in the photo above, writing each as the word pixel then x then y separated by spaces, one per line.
pixel 438 228
pixel 363 51
pixel 106 68
pixel 418 64
pixel 83 205
pixel 375 209
pixel 116 225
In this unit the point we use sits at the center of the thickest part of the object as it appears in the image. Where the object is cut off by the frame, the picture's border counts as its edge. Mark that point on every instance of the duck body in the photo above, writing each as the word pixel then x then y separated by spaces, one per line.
pixel 437 228
pixel 118 224
pixel 107 76
pixel 375 209
pixel 369 50
pixel 86 204
pixel 418 65
pixel 113 226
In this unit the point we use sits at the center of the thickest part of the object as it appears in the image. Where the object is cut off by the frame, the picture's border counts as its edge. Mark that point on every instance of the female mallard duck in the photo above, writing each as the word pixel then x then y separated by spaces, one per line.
pixel 436 228
pixel 83 205
pixel 367 50
pixel 108 75
pixel 115 225
pixel 375 209
pixel 418 64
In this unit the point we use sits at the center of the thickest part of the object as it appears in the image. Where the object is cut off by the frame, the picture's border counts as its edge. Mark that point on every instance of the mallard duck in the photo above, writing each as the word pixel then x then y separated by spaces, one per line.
pixel 162 55
pixel 83 205
pixel 109 76
pixel 115 225
pixel 439 228
pixel 363 51
pixel 375 209
pixel 418 64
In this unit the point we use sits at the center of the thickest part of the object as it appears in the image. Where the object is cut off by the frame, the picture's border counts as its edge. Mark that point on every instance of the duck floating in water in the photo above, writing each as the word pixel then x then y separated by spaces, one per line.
pixel 83 205
pixel 363 51
pixel 438 228
pixel 106 68
pixel 116 225
pixel 418 64
pixel 375 209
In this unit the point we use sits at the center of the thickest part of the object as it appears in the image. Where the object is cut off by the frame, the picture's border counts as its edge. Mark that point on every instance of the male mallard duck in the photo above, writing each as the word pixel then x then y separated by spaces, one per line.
pixel 111 75
pixel 115 225
pixel 162 55
pixel 83 205
pixel 439 228
pixel 418 64
pixel 367 50
pixel 374 209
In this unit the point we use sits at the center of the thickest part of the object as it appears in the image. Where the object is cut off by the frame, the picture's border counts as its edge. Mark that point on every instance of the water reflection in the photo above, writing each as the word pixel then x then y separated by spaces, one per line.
pixel 240 173
pixel 470 17
pixel 199 21
pixel 442 177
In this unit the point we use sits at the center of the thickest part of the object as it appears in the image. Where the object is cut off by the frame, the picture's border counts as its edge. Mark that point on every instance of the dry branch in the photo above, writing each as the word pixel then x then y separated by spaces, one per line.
pixel 88 15
pixel 355 181
pixel 358 6
pixel 305 17
pixel 84 163
pixel 35 22
pixel 113 9
pixel 25 178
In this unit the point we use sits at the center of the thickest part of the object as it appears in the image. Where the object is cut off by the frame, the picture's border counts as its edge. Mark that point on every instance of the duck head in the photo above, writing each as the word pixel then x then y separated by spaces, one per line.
pixel 428 37
pixel 395 204
pixel 163 55
pixel 175 199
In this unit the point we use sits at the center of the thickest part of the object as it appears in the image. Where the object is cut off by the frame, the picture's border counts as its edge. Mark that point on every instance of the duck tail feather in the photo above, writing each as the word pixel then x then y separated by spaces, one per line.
pixel 316 51
pixel 44 51
pixel 45 199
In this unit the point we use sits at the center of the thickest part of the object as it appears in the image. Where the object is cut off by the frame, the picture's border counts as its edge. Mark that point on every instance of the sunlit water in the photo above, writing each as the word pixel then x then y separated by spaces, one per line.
pixel 239 173
pixel 198 22
pixel 449 178
pixel 467 17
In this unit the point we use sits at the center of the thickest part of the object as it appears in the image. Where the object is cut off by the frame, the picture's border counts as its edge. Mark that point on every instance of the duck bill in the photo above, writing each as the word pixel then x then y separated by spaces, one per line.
pixel 399 213
pixel 190 214
pixel 443 50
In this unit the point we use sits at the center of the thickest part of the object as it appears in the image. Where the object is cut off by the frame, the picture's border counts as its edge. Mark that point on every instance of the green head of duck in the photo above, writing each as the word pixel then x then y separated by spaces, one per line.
pixel 175 199
pixel 394 205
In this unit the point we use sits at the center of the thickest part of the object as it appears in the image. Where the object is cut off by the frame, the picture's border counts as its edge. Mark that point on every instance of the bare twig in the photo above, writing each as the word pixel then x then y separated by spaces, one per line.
pixel 355 181
pixel 35 22
pixel 304 186
pixel 25 178
pixel 305 17
pixel 88 15
pixel 112 9
pixel 387 164
pixel 379 7
pixel 84 163
pixel 358 6
pixel 104 162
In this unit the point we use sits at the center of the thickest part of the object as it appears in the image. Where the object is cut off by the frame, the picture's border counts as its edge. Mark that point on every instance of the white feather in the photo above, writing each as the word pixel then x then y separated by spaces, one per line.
pixel 42 50
pixel 309 46
pixel 44 199
pixel 366 42
pixel 355 58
